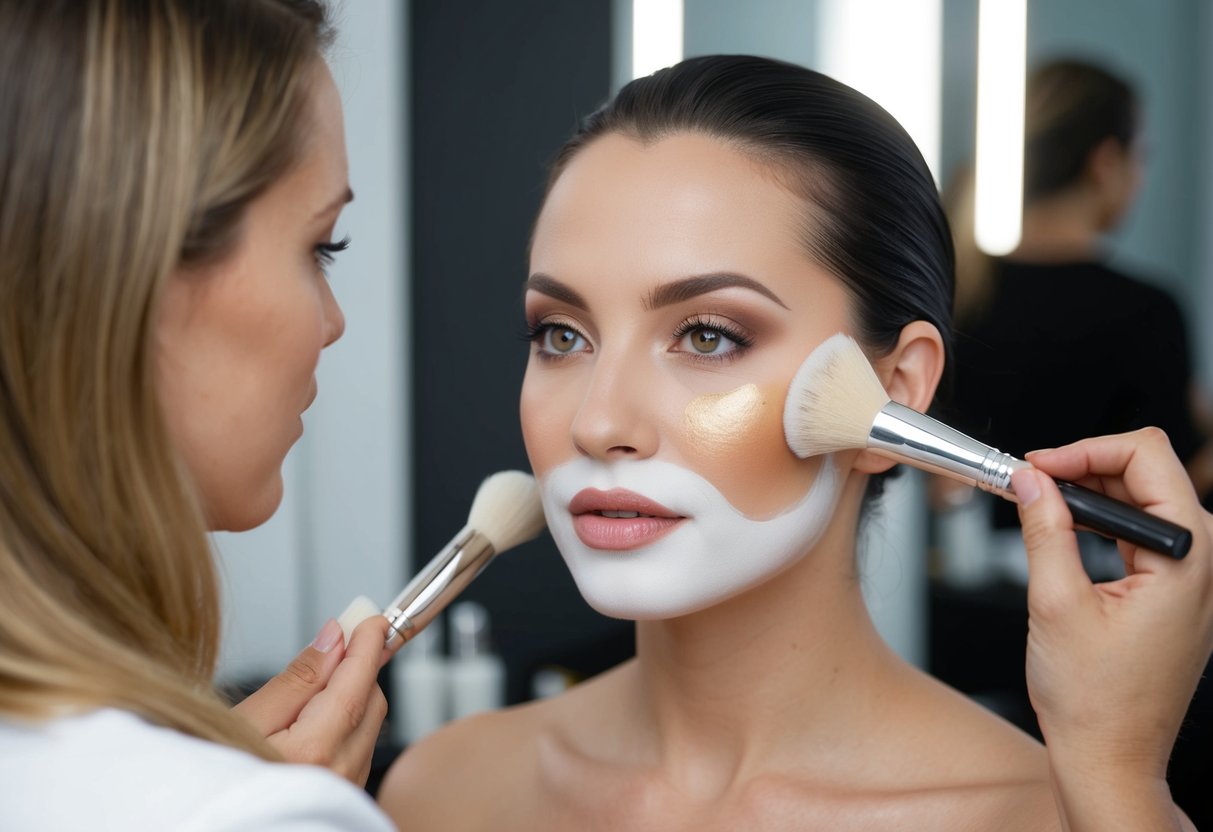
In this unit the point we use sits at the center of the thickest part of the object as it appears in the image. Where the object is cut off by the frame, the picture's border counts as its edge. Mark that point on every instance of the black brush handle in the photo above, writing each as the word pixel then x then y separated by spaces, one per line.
pixel 1125 522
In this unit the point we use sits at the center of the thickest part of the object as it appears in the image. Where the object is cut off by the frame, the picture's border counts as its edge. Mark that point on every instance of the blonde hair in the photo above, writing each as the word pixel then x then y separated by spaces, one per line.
pixel 133 135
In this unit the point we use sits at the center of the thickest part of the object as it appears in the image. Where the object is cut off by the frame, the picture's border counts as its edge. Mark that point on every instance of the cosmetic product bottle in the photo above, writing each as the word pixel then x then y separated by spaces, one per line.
pixel 477 675
pixel 550 681
pixel 420 686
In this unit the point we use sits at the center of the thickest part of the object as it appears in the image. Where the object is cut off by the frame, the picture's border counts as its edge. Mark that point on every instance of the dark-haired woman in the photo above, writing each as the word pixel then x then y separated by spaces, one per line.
pixel 701 235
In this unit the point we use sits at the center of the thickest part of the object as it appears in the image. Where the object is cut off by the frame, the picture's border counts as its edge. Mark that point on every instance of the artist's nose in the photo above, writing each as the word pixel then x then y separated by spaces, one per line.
pixel 615 419
pixel 334 318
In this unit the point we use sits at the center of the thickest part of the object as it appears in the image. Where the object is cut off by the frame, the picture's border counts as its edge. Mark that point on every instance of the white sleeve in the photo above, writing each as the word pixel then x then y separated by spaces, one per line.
pixel 282 797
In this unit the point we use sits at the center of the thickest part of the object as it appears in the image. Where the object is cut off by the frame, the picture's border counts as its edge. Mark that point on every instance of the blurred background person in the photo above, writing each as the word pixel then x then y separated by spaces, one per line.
pixel 1046 323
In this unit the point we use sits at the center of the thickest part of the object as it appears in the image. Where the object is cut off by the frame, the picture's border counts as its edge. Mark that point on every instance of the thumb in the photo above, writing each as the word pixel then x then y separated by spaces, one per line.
pixel 277 704
pixel 1055 572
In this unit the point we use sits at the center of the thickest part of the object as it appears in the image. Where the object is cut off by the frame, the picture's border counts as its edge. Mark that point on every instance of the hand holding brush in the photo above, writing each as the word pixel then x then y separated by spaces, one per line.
pixel 505 513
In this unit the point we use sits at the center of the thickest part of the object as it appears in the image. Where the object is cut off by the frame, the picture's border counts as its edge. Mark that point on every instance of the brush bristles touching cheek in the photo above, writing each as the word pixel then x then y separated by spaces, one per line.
pixel 832 399
pixel 735 440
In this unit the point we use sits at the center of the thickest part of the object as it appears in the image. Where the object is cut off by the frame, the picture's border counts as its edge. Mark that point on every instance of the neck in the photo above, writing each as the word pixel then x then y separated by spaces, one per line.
pixel 787 666
pixel 1060 228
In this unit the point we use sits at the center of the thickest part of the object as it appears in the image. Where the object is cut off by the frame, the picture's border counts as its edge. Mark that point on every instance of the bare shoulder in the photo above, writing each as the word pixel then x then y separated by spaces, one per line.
pixel 501 770
pixel 465 772
pixel 973 768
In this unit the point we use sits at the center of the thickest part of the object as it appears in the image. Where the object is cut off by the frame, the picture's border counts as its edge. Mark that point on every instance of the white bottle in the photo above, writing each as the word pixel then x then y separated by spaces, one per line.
pixel 477 676
pixel 420 686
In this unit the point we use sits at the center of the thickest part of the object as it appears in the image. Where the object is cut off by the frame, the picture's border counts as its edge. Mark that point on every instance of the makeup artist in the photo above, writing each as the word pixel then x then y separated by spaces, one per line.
pixel 171 172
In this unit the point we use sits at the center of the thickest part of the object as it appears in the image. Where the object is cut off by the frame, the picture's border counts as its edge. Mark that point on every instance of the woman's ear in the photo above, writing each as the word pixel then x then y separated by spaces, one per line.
pixel 910 374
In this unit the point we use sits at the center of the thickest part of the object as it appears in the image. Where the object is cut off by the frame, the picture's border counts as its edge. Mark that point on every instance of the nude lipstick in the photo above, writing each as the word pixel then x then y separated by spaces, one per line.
pixel 619 520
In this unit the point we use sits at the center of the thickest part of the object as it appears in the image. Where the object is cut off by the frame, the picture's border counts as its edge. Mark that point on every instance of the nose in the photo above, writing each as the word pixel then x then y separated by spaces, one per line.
pixel 334 318
pixel 615 420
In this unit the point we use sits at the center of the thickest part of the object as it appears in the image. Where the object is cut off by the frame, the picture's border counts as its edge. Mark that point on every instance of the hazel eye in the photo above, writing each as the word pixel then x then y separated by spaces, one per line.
pixel 561 340
pixel 706 340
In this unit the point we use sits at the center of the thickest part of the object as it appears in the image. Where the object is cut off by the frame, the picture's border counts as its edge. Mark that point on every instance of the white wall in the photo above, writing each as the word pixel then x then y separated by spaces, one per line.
pixel 343 525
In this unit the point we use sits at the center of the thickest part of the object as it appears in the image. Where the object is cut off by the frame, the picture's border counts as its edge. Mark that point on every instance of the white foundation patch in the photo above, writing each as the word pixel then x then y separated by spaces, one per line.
pixel 715 553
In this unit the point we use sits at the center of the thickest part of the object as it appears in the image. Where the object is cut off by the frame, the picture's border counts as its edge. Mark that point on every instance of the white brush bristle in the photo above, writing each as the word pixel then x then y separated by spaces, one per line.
pixel 359 610
pixel 507 509
pixel 833 399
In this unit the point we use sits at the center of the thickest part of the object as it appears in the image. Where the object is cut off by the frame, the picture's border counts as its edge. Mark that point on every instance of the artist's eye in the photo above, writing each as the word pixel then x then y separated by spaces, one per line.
pixel 710 339
pixel 326 251
pixel 556 340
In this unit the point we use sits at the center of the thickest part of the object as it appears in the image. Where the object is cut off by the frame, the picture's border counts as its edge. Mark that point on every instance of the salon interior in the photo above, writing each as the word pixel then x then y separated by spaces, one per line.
pixel 452 112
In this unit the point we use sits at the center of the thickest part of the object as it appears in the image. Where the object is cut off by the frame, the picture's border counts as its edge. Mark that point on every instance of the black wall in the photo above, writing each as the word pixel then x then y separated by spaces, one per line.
pixel 496 89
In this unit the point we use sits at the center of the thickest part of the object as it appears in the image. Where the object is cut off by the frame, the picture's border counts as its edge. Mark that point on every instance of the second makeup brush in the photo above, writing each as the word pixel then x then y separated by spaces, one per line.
pixel 505 513
pixel 836 402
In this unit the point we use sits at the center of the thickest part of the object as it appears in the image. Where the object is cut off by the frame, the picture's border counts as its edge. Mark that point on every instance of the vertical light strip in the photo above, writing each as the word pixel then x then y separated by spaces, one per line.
pixel 891 51
pixel 998 185
pixel 656 35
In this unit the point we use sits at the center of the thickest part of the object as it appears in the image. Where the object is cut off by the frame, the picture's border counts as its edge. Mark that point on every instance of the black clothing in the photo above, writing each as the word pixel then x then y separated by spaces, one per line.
pixel 1066 351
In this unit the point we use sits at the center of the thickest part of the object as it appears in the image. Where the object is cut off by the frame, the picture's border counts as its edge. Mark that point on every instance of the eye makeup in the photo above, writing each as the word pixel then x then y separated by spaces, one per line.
pixel 708 330
pixel 326 251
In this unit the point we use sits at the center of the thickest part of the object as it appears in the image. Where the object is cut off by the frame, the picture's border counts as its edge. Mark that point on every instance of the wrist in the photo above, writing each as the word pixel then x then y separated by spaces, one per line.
pixel 1109 796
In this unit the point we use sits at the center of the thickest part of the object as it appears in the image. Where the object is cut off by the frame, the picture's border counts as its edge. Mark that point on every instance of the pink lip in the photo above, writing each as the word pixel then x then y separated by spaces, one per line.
pixel 619 533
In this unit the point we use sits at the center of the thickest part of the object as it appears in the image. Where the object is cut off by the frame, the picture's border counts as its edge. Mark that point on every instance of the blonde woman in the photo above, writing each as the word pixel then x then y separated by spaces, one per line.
pixel 170 175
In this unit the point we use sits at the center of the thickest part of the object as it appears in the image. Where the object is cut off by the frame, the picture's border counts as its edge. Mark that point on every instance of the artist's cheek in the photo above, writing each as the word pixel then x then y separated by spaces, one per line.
pixel 735 441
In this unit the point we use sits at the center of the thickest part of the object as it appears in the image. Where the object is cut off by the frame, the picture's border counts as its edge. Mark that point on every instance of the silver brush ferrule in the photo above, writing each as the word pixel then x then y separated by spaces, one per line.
pixel 907 435
pixel 435 586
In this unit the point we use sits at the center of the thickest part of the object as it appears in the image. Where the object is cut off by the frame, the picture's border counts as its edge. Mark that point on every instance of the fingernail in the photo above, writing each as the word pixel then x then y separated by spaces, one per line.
pixel 328 636
pixel 1027 488
pixel 1038 451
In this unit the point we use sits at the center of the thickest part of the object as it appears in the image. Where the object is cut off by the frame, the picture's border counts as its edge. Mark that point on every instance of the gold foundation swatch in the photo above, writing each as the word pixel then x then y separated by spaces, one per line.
pixel 724 417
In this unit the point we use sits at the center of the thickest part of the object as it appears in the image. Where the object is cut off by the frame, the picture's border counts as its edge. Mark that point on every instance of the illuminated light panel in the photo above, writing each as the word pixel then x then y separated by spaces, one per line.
pixel 656 35
pixel 891 51
pixel 998 185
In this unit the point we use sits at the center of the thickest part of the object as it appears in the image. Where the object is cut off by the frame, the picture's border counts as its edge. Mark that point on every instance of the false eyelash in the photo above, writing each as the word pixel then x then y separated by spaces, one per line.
pixel 730 331
pixel 326 251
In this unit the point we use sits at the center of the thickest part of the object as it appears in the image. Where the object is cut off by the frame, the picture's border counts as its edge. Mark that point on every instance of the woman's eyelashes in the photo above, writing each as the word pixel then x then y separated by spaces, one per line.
pixel 701 338
pixel 705 337
pixel 555 340
pixel 326 252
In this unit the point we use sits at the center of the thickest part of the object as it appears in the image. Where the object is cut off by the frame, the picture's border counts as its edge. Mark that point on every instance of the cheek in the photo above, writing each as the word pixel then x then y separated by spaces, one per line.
pixel 546 421
pixel 735 440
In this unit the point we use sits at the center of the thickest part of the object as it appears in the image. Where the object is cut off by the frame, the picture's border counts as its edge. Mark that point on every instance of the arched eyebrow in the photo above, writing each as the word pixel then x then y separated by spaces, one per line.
pixel 346 196
pixel 689 287
pixel 553 288
pixel 664 295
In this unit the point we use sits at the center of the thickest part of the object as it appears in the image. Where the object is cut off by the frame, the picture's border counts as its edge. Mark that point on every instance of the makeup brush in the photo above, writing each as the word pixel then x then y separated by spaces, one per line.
pixel 836 402
pixel 506 512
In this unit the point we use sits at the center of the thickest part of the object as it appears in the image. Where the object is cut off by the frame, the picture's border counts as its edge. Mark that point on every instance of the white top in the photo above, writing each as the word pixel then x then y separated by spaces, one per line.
pixel 110 770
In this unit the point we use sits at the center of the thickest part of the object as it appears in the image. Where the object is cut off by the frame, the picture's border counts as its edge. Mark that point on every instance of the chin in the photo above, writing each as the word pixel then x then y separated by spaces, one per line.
pixel 238 513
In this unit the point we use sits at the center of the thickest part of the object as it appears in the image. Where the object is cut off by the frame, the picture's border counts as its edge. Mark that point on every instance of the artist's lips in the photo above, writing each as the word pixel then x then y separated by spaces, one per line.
pixel 619 519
